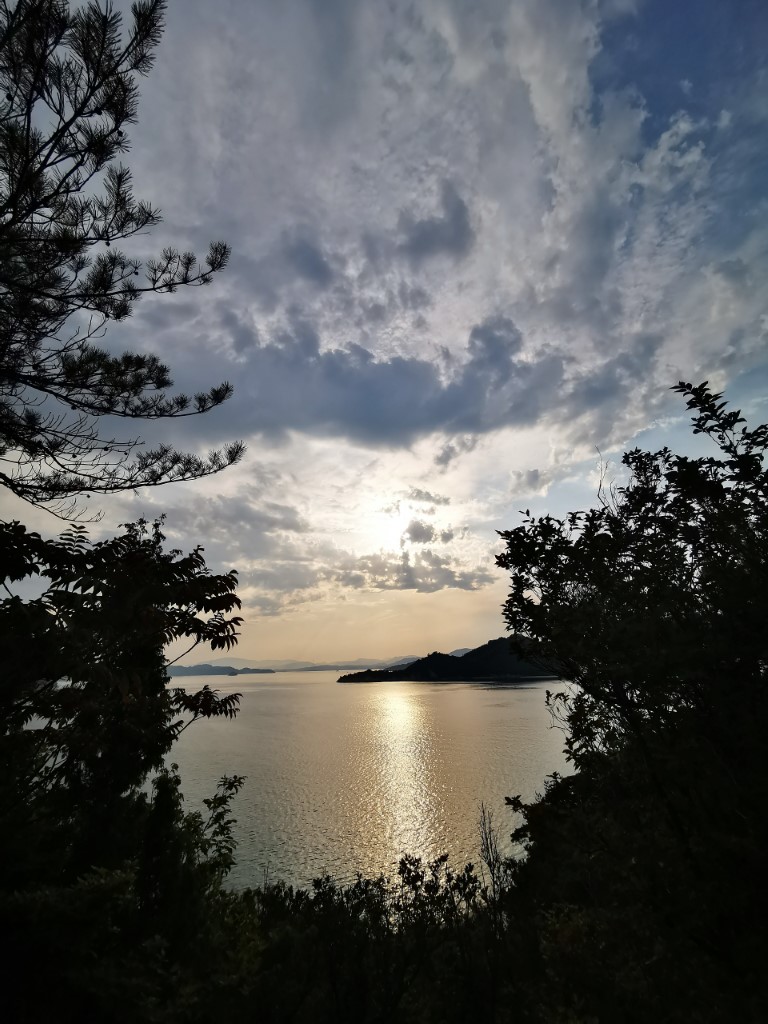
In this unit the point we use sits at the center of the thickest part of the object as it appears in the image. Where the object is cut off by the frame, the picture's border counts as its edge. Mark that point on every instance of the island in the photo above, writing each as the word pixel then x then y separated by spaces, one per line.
pixel 494 662
pixel 215 670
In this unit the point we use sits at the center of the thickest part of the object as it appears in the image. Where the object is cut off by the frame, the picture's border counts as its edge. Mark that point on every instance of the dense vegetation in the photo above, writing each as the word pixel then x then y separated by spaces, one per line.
pixel 638 897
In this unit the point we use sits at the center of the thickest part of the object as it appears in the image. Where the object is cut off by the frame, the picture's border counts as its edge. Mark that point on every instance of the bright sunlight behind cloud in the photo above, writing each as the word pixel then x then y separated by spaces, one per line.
pixel 473 243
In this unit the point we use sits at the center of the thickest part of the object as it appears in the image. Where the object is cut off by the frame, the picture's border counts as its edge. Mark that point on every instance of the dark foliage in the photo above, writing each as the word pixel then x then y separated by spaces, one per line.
pixel 643 869
pixel 102 876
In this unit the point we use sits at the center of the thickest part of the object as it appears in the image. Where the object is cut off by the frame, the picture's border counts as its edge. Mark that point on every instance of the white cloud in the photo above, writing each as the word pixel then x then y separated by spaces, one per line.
pixel 466 252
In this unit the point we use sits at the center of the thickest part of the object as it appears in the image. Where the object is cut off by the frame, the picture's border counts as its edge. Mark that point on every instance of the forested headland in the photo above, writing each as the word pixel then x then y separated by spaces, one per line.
pixel 636 895
pixel 494 662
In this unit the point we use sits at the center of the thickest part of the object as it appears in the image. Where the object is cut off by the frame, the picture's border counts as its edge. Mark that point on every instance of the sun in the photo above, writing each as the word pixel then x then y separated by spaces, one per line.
pixel 391 523
pixel 384 522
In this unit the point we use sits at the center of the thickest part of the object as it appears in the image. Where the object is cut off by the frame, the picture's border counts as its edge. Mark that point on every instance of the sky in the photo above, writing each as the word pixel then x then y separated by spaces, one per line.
pixel 474 244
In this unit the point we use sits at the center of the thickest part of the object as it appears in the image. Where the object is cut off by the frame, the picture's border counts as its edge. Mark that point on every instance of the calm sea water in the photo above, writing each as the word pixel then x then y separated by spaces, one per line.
pixel 347 777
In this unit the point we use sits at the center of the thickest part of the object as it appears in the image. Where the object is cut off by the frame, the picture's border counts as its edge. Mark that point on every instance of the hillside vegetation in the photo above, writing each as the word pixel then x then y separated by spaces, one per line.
pixel 494 662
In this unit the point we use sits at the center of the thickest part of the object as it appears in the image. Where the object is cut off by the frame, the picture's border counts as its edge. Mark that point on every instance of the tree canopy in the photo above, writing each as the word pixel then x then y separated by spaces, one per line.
pixel 643 866
pixel 653 601
pixel 93 856
pixel 68 92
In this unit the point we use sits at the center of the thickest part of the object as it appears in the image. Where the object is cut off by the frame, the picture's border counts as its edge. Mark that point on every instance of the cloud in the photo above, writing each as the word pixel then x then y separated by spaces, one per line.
pixel 425 572
pixel 735 271
pixel 286 559
pixel 243 336
pixel 295 384
pixel 419 532
pixel 451 450
pixel 413 297
pixel 449 220
pixel 529 481
pixel 590 214
pixel 491 344
pixel 449 233
pixel 427 497
pixel 308 260
pixel 596 399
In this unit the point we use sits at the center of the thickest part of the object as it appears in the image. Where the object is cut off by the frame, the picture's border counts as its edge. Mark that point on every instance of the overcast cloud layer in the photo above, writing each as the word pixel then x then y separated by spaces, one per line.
pixel 473 241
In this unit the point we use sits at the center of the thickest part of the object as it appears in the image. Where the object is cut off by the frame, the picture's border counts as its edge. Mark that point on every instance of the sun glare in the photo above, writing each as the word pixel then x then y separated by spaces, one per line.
pixel 384 524
pixel 392 525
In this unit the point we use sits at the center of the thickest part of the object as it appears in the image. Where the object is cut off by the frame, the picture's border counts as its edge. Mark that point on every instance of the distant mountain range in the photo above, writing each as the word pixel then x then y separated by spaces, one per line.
pixel 244 666
pixel 493 662
pixel 290 665
pixel 215 670
pixel 286 665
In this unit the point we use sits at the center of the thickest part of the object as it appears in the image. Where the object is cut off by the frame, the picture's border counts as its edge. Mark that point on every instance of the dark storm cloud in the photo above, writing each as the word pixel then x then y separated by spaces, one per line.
pixel 273 516
pixel 283 576
pixel 449 232
pixel 265 605
pixel 293 384
pixel 296 266
pixel 242 335
pixel 491 344
pixel 307 259
pixel 375 298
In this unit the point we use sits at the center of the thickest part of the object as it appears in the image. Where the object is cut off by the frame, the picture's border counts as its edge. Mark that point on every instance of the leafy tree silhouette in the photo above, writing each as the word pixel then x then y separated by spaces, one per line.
pixel 654 605
pixel 93 857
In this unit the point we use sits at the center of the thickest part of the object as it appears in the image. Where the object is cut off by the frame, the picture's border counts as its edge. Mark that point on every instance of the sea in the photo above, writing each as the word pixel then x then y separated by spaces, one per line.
pixel 344 778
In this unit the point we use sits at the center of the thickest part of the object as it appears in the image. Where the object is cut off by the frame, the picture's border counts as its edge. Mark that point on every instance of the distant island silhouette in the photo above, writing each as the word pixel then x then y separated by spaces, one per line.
pixel 494 662
pixel 338 665
pixel 215 670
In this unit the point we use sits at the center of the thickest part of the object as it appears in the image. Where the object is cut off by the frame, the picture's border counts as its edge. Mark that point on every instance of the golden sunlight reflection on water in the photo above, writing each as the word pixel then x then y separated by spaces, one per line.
pixel 342 778
pixel 405 797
